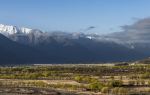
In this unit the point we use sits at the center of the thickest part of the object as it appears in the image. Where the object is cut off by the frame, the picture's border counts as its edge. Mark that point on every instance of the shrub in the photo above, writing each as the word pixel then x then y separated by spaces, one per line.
pixel 96 86
pixel 115 83
pixel 131 83
pixel 122 91
pixel 105 90
pixel 115 90
pixel 119 91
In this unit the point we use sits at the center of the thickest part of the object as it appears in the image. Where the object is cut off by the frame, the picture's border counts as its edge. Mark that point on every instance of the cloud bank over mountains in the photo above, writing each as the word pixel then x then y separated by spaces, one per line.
pixel 138 32
pixel 29 46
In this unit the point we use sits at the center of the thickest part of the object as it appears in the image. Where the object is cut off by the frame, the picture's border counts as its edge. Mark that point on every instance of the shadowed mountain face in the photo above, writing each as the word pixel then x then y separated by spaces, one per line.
pixel 69 51
pixel 54 52
pixel 30 46
pixel 14 53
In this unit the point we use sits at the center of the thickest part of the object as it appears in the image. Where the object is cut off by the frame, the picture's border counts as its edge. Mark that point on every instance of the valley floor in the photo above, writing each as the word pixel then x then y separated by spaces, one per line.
pixel 79 79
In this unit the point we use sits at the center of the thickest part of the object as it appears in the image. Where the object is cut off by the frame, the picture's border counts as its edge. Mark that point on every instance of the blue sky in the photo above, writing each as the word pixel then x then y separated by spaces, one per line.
pixel 73 15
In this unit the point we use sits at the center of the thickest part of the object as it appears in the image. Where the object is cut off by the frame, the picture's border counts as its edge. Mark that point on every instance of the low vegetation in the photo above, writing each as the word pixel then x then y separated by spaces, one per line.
pixel 79 79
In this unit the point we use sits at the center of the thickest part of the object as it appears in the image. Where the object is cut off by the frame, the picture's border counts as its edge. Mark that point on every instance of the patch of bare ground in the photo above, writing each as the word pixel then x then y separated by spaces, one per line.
pixel 31 91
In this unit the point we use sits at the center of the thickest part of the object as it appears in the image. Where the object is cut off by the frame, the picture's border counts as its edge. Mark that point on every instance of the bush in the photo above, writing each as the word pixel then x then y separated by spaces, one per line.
pixel 145 76
pixel 96 86
pixel 149 83
pixel 131 83
pixel 85 79
pixel 105 90
pixel 115 90
pixel 115 83
pixel 119 91
pixel 78 78
pixel 142 82
pixel 122 91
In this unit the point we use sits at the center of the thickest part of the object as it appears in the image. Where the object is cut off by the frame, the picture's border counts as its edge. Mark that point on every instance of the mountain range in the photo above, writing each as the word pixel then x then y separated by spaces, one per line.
pixel 33 46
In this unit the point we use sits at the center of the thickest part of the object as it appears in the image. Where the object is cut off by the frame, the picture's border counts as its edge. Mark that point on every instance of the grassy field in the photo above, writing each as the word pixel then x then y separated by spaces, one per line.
pixel 77 79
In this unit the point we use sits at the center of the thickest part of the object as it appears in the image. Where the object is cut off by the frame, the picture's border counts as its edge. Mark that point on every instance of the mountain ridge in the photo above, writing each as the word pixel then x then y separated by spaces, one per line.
pixel 62 47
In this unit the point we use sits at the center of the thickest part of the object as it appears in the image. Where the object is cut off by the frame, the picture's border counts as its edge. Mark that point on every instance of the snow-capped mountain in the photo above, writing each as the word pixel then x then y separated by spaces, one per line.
pixel 34 36
pixel 9 30
pixel 13 31
pixel 22 35
pixel 62 47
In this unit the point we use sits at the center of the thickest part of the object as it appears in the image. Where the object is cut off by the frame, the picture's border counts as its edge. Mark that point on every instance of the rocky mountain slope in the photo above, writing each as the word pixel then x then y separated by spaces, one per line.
pixel 24 45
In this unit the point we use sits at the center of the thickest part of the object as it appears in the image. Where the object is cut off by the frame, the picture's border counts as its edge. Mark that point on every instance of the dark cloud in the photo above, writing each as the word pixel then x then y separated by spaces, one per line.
pixel 89 28
pixel 136 32
pixel 141 24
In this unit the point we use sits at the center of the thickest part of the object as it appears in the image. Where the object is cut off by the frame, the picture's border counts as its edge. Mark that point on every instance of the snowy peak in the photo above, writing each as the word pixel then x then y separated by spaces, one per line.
pixel 26 30
pixel 9 30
